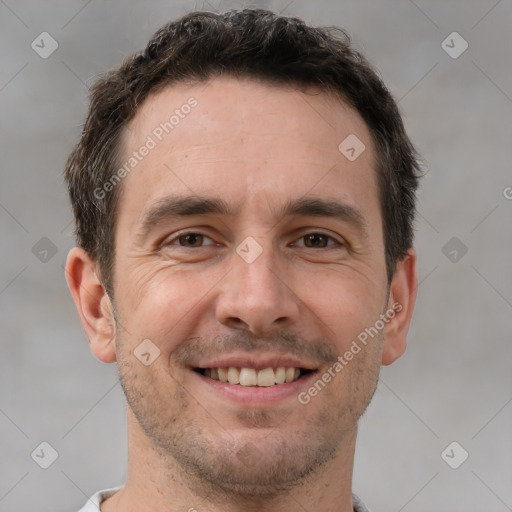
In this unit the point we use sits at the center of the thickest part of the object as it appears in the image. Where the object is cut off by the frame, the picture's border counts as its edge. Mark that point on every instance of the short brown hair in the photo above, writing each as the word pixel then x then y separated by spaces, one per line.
pixel 250 43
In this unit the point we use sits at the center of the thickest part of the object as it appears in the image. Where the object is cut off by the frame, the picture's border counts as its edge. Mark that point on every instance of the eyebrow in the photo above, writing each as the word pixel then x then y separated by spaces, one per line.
pixel 173 207
pixel 330 208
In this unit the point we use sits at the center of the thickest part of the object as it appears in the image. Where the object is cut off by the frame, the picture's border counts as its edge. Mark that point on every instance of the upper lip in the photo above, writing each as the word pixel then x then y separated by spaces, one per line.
pixel 257 361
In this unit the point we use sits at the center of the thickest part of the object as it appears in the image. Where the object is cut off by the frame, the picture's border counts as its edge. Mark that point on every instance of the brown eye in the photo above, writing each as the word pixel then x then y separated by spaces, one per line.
pixel 191 240
pixel 316 240
pixel 188 240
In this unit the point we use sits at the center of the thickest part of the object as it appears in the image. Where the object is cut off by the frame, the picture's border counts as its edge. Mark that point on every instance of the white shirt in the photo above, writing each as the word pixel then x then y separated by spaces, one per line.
pixel 93 505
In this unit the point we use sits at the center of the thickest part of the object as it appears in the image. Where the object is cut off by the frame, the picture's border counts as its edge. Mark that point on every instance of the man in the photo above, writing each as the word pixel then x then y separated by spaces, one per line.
pixel 244 193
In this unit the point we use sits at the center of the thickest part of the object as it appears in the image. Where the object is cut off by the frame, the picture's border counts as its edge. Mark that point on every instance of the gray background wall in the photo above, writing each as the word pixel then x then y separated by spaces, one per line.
pixel 453 384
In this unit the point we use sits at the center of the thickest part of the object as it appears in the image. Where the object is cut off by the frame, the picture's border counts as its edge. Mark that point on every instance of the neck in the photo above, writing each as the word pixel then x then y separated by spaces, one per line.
pixel 156 482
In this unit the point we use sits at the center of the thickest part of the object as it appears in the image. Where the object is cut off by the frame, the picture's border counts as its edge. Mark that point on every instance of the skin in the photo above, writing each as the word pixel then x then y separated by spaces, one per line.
pixel 255 146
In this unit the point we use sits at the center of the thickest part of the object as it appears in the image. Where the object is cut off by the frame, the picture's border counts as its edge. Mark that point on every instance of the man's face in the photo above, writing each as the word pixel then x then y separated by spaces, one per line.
pixel 275 281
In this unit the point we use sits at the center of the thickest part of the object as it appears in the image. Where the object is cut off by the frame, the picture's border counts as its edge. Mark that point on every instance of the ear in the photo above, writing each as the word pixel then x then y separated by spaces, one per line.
pixel 93 304
pixel 402 297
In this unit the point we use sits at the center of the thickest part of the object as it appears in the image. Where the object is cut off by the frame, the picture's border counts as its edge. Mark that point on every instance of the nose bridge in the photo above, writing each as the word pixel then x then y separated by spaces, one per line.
pixel 256 268
pixel 255 295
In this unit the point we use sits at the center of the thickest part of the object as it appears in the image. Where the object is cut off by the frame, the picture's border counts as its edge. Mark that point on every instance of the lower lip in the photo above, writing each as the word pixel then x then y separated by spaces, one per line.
pixel 257 395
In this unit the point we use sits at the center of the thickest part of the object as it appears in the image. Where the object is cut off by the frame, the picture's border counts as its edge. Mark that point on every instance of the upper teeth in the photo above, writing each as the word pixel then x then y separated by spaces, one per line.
pixel 253 377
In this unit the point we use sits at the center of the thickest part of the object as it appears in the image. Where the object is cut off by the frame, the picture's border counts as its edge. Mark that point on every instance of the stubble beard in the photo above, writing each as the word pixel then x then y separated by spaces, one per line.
pixel 217 462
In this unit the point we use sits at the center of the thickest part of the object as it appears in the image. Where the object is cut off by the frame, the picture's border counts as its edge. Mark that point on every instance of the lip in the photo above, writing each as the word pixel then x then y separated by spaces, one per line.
pixel 255 396
pixel 256 361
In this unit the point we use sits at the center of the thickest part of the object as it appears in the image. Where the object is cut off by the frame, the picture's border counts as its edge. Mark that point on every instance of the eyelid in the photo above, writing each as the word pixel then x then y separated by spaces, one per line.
pixel 327 235
pixel 170 241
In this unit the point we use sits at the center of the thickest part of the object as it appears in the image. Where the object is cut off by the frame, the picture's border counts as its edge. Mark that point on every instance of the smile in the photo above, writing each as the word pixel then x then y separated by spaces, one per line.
pixel 265 377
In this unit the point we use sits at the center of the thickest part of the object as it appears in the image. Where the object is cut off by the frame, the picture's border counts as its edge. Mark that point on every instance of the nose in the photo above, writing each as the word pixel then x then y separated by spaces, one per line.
pixel 257 296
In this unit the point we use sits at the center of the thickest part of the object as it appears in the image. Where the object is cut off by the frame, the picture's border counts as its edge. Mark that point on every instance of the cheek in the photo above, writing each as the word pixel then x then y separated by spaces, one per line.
pixel 163 303
pixel 342 302
pixel 156 399
pixel 140 279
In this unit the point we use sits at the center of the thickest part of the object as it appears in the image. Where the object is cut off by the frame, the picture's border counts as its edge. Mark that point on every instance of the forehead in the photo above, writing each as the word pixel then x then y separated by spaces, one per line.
pixel 243 107
pixel 242 138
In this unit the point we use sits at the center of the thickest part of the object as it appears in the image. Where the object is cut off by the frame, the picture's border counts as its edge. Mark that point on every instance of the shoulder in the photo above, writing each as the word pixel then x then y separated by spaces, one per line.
pixel 94 502
pixel 359 506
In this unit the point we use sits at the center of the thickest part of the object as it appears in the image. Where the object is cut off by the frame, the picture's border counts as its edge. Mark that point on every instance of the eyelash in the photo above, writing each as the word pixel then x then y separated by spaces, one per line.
pixel 185 233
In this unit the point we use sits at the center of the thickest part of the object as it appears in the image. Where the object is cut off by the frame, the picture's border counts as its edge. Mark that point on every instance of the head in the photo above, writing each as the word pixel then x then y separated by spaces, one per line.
pixel 244 194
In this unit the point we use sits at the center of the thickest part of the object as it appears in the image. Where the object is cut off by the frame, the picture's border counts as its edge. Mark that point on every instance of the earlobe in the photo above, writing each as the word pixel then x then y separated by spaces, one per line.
pixel 93 304
pixel 402 298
